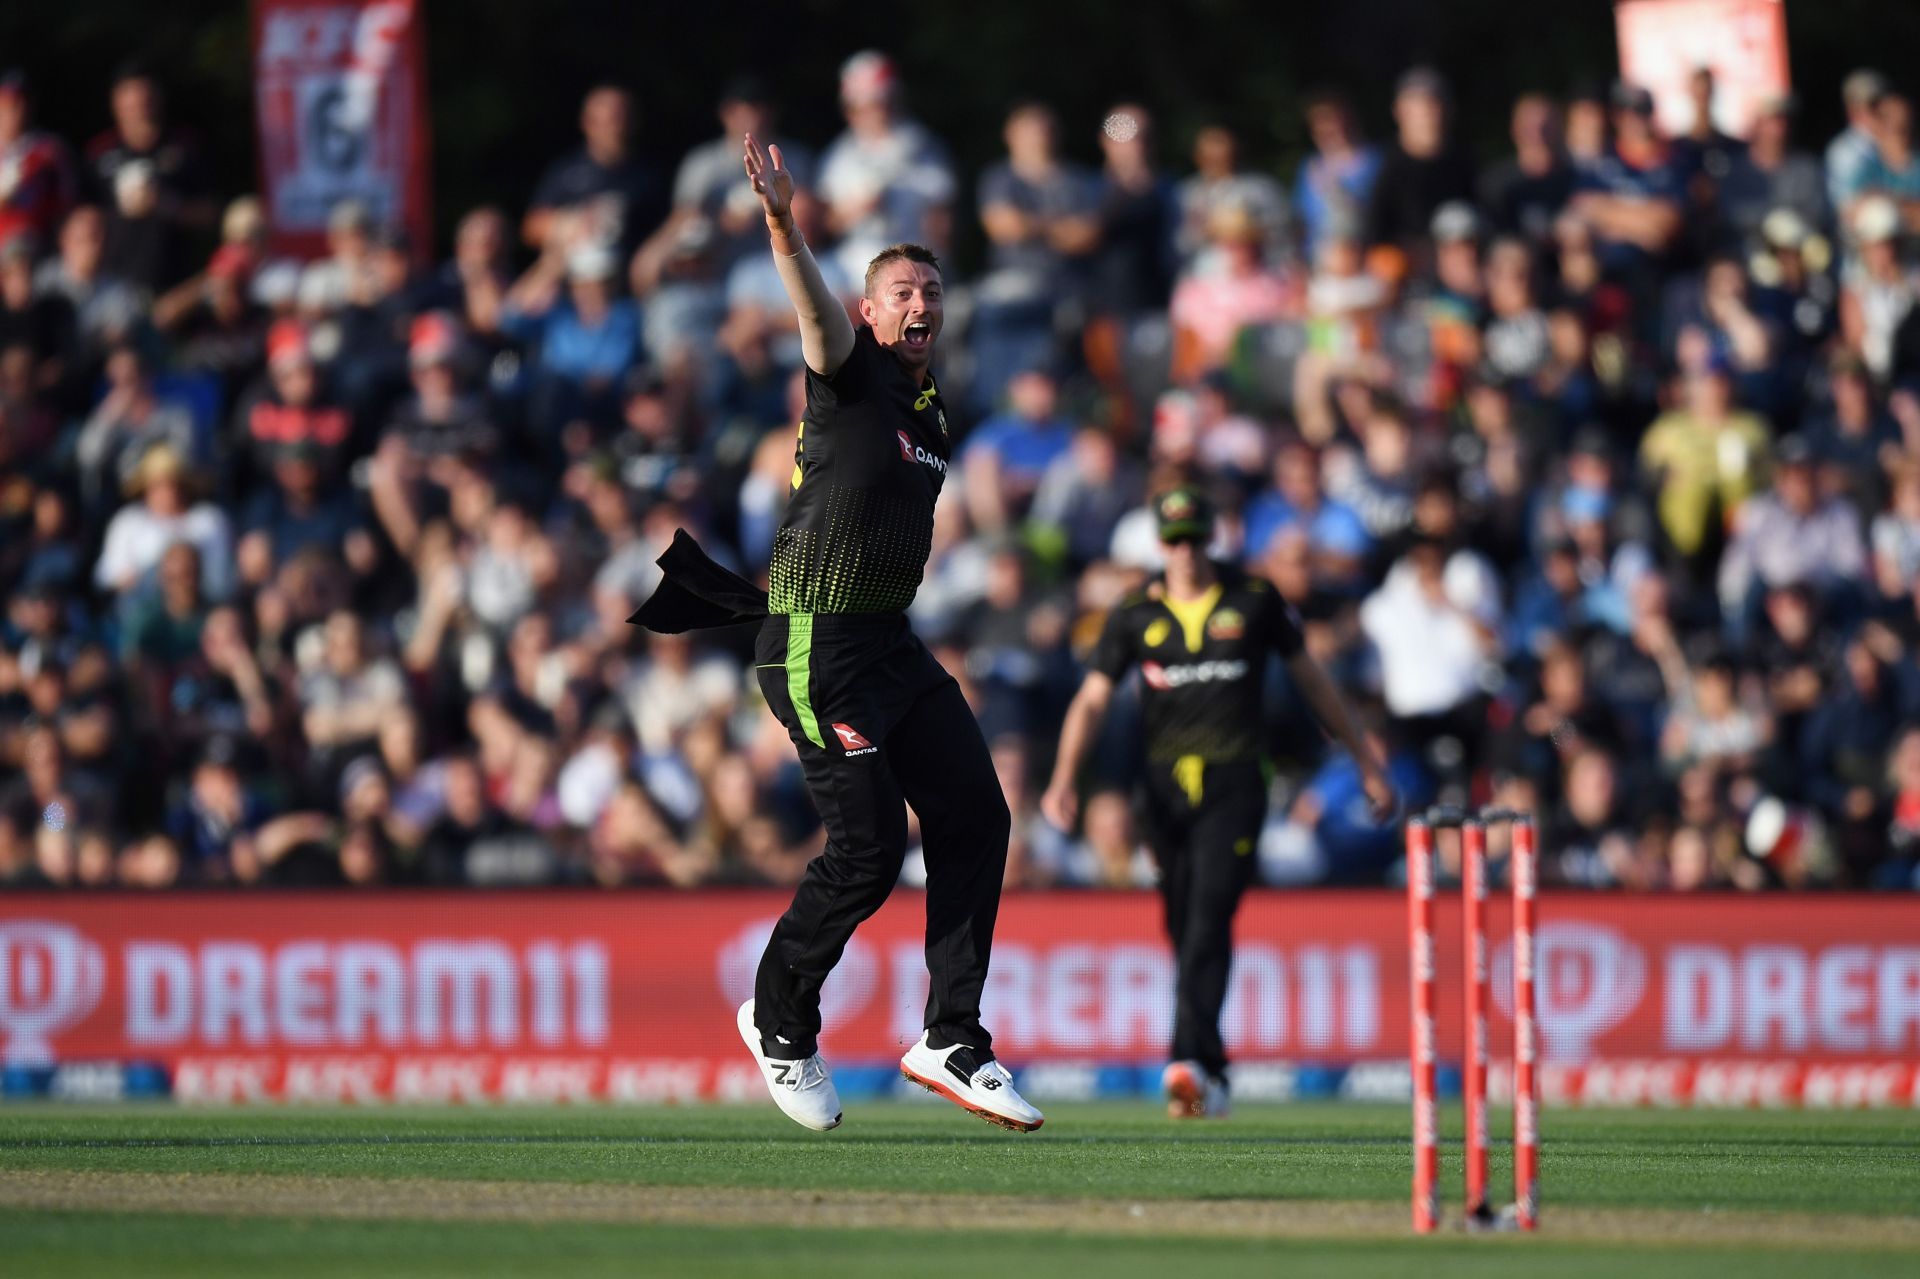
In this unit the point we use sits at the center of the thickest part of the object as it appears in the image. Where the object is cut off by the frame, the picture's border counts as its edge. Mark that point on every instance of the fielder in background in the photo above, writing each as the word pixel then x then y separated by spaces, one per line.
pixel 1201 634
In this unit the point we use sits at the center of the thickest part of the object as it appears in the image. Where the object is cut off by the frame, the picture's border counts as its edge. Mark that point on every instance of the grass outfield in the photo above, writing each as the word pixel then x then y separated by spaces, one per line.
pixel 727 1191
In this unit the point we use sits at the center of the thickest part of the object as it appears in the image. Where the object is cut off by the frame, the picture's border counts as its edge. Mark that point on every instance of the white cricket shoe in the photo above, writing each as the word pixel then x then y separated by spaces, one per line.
pixel 1192 1093
pixel 979 1089
pixel 803 1089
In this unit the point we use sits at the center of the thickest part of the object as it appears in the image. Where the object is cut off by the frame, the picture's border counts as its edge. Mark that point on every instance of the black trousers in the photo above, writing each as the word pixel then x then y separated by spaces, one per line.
pixel 880 724
pixel 1203 824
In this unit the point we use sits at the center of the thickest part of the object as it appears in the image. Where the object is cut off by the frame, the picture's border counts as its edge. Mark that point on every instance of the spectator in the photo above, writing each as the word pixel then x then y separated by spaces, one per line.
pixel 129 421
pixel 346 696
pixel 601 194
pixel 1845 751
pixel 36 174
pixel 886 179
pixel 1791 534
pixel 1132 269
pixel 143 245
pixel 586 342
pixel 1337 538
pixel 1849 154
pixel 1769 175
pixel 1705 458
pixel 291 408
pixel 141 134
pixel 1632 197
pixel 1896 532
pixel 1423 170
pixel 167 512
pixel 105 309
pixel 1004 460
pixel 1212 309
pixel 1893 170
pixel 1219 182
pixel 1335 183
pixel 1878 290
pixel 1525 194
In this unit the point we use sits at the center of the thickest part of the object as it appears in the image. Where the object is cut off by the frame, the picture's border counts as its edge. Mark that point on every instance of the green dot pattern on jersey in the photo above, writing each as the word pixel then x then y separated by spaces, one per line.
pixel 867 556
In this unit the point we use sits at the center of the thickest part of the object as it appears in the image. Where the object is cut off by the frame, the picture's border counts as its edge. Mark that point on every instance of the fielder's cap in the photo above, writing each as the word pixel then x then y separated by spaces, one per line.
pixel 1182 513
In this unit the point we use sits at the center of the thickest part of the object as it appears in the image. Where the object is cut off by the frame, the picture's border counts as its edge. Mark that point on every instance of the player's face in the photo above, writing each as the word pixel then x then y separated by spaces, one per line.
pixel 905 310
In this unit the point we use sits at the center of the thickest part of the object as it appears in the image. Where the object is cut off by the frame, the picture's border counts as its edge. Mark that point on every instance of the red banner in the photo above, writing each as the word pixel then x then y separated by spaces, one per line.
pixel 340 98
pixel 631 996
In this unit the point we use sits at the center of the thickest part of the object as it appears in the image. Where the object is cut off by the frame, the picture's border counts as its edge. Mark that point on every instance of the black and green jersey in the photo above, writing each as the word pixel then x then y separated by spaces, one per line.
pixel 1203 663
pixel 868 466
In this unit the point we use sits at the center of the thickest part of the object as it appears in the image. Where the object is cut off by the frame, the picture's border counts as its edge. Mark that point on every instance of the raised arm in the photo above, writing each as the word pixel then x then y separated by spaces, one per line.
pixel 1333 712
pixel 826 335
pixel 1061 802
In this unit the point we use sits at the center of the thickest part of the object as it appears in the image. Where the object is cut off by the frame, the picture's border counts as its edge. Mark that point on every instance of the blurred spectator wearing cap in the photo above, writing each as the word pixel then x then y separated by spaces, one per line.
pixel 1632 195
pixel 600 194
pixel 1219 180
pixel 435 429
pixel 1422 170
pixel 1239 290
pixel 129 420
pixel 1705 457
pixel 168 509
pixel 1771 174
pixel 1878 289
pixel 1853 149
pixel 306 506
pixel 1336 181
pixel 1792 533
pixel 1525 193
pixel 36 173
pixel 221 330
pixel 887 179
pixel 290 408
pixel 141 133
pixel 105 308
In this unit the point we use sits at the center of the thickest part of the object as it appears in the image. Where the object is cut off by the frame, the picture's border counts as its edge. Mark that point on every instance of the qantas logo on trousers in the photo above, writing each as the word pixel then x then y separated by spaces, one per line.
pixel 852 743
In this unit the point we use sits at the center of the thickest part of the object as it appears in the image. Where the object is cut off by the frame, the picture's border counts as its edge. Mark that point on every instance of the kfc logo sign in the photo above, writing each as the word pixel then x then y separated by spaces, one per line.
pixel 50 979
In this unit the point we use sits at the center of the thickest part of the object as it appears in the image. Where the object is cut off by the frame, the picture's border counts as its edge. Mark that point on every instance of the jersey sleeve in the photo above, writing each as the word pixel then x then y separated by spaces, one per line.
pixel 1113 651
pixel 847 384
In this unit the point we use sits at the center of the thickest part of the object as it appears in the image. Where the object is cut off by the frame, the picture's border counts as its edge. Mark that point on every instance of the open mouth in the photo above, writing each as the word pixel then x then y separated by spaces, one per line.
pixel 918 334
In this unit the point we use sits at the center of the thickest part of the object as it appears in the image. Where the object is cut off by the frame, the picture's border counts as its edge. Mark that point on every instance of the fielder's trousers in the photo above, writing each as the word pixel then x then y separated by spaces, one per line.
pixel 880 724
pixel 1203 824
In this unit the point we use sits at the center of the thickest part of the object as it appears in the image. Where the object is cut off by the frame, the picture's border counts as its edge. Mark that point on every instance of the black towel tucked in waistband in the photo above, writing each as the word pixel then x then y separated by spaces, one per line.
pixel 698 593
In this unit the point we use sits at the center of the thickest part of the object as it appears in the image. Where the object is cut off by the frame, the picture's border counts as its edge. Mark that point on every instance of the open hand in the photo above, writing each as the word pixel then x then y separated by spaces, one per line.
pixel 771 181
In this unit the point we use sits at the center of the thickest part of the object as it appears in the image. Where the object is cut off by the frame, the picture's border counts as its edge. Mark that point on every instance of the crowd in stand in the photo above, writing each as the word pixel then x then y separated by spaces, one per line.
pixel 1593 469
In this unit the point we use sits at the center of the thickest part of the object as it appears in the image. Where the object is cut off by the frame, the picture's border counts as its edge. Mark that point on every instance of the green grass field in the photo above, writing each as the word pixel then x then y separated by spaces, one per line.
pixel 1111 1190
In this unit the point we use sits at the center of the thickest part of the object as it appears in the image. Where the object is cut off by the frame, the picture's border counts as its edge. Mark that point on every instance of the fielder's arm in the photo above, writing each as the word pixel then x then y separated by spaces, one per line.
pixel 826 334
pixel 1061 802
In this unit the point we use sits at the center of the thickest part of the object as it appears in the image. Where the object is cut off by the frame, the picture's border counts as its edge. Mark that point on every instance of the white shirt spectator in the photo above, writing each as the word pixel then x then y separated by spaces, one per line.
pixel 137 538
pixel 1431 651
pixel 909 173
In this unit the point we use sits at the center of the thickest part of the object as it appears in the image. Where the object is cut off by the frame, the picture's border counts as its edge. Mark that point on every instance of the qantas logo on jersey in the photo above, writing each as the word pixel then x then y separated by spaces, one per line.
pixel 1163 678
pixel 911 452
pixel 851 743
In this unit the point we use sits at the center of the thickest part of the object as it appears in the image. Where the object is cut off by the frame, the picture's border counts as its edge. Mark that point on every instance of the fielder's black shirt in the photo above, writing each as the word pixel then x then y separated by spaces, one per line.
pixel 868 465
pixel 1203 663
